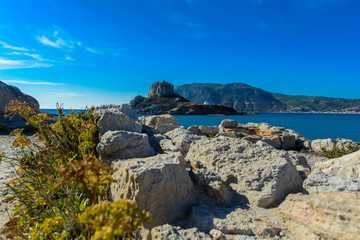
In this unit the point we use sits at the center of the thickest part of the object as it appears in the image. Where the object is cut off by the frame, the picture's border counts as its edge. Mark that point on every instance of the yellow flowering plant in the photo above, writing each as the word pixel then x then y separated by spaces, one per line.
pixel 61 184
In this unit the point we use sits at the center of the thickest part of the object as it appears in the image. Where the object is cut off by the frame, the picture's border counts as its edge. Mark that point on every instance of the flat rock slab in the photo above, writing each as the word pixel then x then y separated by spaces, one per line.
pixel 258 171
pixel 321 216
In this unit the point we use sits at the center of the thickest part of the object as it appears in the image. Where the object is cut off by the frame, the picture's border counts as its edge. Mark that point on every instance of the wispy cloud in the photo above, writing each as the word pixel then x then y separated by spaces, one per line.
pixel 32 55
pixel 30 82
pixel 92 50
pixel 57 43
pixel 17 64
pixel 69 58
pixel 5 45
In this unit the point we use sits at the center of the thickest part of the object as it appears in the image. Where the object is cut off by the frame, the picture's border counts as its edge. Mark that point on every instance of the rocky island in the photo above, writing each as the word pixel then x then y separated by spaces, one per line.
pixel 163 100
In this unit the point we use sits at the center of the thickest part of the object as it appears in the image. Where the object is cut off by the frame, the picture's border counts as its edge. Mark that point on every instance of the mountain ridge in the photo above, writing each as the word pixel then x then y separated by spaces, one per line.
pixel 243 97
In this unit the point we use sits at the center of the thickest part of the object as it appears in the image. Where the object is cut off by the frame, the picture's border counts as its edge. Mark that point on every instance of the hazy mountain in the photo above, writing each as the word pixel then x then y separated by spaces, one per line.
pixel 244 97
pixel 240 96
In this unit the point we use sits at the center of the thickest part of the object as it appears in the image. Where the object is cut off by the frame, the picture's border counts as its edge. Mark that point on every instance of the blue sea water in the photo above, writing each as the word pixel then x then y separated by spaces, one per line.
pixel 310 125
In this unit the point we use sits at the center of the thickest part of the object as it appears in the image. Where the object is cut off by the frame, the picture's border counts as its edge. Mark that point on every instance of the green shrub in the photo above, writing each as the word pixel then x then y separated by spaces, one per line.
pixel 60 180
pixel 338 151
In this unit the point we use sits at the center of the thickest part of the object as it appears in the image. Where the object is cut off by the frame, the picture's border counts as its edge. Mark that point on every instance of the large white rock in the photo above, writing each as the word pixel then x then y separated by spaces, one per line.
pixel 115 145
pixel 319 144
pixel 258 171
pixel 347 166
pixel 318 182
pixel 228 123
pixel 180 139
pixel 158 120
pixel 335 175
pixel 117 117
pixel 159 184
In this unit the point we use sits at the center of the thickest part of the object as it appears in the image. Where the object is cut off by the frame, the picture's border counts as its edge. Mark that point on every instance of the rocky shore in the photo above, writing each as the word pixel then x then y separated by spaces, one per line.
pixel 232 181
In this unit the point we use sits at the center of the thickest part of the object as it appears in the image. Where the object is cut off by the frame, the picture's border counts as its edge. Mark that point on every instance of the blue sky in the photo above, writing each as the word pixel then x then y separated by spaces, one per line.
pixel 97 52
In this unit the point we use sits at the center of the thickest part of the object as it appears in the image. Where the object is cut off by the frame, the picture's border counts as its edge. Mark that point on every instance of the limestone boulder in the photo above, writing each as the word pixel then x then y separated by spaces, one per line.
pixel 181 139
pixel 258 171
pixel 208 130
pixel 158 120
pixel 229 123
pixel 177 233
pixel 273 141
pixel 115 145
pixel 117 117
pixel 319 144
pixel 334 215
pixel 347 166
pixel 158 184
pixel 318 182
pixel 235 222
pixel 194 130
pixel 288 141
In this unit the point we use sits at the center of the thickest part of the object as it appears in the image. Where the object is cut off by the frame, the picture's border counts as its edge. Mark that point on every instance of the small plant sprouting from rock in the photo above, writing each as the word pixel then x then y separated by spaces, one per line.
pixel 61 186
pixel 339 151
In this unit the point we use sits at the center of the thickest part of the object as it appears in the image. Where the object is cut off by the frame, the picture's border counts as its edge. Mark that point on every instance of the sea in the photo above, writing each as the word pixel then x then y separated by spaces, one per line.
pixel 310 125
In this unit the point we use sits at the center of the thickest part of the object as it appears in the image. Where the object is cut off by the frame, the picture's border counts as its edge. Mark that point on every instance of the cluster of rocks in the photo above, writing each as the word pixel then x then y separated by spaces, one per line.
pixel 163 100
pixel 228 181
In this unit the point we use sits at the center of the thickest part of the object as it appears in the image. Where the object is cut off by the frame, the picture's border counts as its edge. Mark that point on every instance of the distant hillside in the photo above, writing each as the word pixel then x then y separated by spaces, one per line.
pixel 318 104
pixel 240 96
pixel 243 97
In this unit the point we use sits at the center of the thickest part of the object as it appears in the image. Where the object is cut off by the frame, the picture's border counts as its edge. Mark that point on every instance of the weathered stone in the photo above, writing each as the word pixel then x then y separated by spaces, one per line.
pixel 123 145
pixel 216 234
pixel 258 171
pixel 162 129
pixel 158 120
pixel 288 141
pixel 161 89
pixel 117 117
pixel 234 222
pixel 252 139
pixel 298 159
pixel 319 144
pixel 347 166
pixel 194 130
pixel 264 126
pixel 136 100
pixel 169 232
pixel 181 139
pixel 208 130
pixel 320 182
pixel 273 141
pixel 214 190
pixel 229 123
pixel 168 146
pixel 342 143
pixel 158 184
pixel 321 216
pixel 154 141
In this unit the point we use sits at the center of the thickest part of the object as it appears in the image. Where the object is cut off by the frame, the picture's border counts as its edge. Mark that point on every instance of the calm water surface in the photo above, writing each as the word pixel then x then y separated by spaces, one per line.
pixel 310 125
